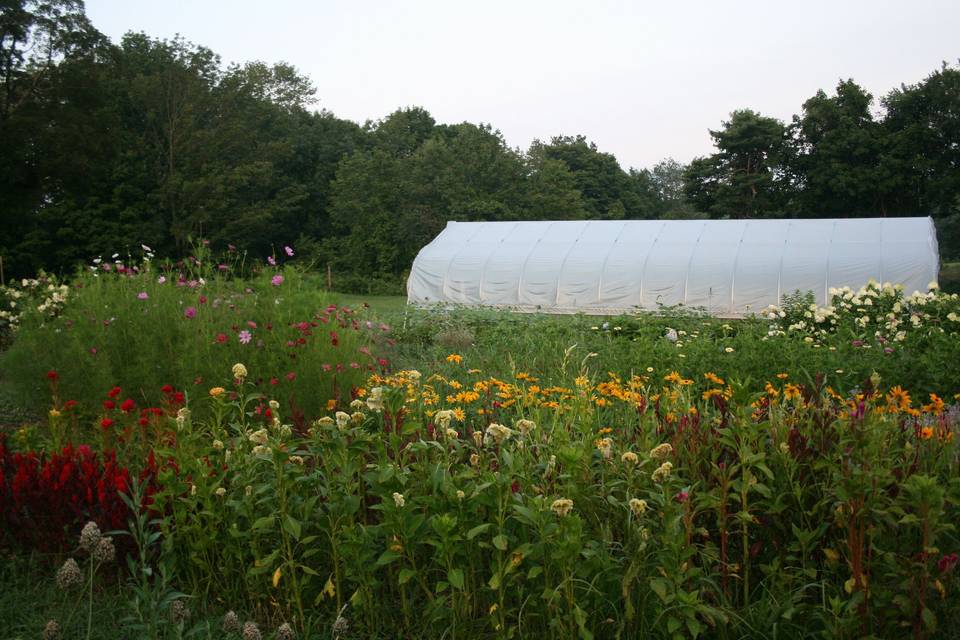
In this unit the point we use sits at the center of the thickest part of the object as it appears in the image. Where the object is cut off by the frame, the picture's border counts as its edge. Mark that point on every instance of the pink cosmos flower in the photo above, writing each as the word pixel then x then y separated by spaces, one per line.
pixel 245 337
pixel 190 312
pixel 276 280
pixel 288 251
pixel 161 279
pixel 142 295
pixel 272 262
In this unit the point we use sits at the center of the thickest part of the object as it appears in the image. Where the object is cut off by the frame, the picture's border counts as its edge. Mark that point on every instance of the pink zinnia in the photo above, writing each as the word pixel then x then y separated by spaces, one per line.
pixel 272 262
pixel 288 251
pixel 190 312
pixel 142 295
pixel 276 280
pixel 245 337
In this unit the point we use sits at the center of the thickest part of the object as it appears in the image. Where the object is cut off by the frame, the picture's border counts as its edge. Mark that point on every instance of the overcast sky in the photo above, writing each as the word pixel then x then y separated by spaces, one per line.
pixel 644 80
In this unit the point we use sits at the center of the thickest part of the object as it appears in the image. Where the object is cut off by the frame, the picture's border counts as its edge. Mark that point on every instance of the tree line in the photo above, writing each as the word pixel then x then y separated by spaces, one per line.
pixel 107 146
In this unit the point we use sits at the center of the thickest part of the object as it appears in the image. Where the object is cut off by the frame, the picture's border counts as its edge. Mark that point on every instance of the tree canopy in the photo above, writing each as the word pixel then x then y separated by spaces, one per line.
pixel 110 145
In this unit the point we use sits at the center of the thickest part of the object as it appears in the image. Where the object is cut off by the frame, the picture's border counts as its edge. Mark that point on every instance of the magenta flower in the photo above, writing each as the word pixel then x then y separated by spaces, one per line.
pixel 276 280
pixel 272 262
pixel 288 251
pixel 142 295
pixel 190 312
pixel 245 337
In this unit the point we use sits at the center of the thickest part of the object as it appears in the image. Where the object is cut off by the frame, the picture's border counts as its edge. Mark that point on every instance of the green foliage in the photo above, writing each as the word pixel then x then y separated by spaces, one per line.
pixel 163 325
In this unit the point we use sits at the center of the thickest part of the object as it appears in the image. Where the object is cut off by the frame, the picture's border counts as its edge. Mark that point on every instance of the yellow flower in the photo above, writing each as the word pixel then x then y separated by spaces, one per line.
pixel 898 398
pixel 331 404
pixel 459 414
pixel 455 357
pixel 926 433
pixel 276 577
pixel 791 391
pixel 54 413
pixel 783 376
pixel 714 378
pixel 217 391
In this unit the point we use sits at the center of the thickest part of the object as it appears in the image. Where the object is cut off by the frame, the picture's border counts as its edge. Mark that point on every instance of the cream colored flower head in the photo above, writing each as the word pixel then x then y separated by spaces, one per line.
pixel 375 399
pixel 525 426
pixel 605 447
pixel 239 372
pixel 259 437
pixel 443 418
pixel 274 405
pixel 218 445
pixel 562 506
pixel 325 421
pixel 399 500
pixel 357 417
pixel 497 434
pixel 357 404
pixel 343 420
pixel 629 457
pixel 661 451
pixel 220 491
pixel 638 507
pixel 662 472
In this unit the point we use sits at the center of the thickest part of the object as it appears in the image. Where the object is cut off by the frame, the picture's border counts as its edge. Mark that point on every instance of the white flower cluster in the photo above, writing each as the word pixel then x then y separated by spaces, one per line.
pixel 882 311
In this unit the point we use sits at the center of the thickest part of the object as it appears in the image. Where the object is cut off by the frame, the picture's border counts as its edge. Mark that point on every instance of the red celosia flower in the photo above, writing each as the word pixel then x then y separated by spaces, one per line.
pixel 143 422
pixel 291 376
pixel 166 388
pixel 113 393
pixel 178 398
pixel 109 405
pixel 52 375
pixel 274 381
pixel 127 405
pixel 221 338
pixel 69 404
pixel 106 423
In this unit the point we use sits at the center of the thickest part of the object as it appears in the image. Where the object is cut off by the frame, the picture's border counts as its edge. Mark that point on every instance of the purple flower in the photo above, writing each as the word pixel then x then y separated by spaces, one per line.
pixel 276 280
pixel 288 251
pixel 245 337
pixel 142 295
pixel 272 262
pixel 190 312
pixel 222 267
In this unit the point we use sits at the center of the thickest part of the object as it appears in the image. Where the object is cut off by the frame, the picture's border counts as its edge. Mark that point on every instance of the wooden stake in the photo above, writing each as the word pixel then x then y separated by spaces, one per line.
pixel 329 278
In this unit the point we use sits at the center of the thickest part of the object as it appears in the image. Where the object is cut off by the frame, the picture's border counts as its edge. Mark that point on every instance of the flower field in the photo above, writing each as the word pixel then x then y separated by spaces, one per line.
pixel 476 474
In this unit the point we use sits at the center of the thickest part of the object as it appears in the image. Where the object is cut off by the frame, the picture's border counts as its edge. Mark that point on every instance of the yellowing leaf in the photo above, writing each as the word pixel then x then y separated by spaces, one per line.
pixel 276 577
pixel 329 589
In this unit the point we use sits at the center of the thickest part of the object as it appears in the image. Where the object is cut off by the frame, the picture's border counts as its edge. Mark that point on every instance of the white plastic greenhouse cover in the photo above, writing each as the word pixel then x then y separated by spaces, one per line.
pixel 728 267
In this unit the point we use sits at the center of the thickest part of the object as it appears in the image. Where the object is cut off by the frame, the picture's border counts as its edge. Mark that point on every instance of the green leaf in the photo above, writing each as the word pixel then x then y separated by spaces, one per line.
pixel 266 522
pixel 500 542
pixel 455 576
pixel 387 557
pixel 405 575
pixel 659 586
pixel 477 530
pixel 292 526
pixel 673 624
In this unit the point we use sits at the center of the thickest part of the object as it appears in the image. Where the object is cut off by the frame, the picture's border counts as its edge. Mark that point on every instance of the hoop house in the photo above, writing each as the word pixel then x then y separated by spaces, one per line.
pixel 729 267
